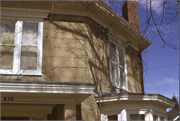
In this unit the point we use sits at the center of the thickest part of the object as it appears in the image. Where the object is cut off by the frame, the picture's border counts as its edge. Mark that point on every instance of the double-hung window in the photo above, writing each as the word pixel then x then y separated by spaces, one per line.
pixel 21 47
pixel 117 66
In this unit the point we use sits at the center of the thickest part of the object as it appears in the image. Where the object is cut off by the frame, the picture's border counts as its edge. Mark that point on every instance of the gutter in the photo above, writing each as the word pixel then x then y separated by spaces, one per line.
pixel 107 9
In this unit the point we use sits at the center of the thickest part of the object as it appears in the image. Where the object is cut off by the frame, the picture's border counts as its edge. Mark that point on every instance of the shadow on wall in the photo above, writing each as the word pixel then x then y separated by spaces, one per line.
pixel 134 71
pixel 77 50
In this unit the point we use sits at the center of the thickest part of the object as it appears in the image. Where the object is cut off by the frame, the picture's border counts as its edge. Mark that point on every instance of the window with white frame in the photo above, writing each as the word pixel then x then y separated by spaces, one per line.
pixel 137 117
pixel 155 118
pixel 117 66
pixel 21 47
pixel 161 118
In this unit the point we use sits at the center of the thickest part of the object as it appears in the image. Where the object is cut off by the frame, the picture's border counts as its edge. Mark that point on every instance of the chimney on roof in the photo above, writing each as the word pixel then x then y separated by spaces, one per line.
pixel 130 12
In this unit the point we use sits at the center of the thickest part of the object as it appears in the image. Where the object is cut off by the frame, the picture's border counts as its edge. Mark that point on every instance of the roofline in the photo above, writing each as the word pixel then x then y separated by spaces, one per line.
pixel 134 36
pixel 59 88
pixel 134 97
pixel 125 23
pixel 47 82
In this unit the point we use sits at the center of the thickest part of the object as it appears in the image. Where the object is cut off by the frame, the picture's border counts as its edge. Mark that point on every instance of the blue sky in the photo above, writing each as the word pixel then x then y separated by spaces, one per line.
pixel 164 80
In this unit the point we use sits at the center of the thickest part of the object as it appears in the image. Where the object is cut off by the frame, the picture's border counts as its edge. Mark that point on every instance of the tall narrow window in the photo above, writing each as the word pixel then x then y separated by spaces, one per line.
pixel 7 35
pixel 21 47
pixel 117 66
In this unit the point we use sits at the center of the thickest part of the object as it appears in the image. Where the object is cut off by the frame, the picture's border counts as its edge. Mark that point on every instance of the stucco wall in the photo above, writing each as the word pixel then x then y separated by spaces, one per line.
pixel 76 49
pixel 134 71
pixel 79 53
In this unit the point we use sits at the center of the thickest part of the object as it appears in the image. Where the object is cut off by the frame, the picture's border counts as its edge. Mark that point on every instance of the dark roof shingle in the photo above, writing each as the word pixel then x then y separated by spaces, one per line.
pixel 172 114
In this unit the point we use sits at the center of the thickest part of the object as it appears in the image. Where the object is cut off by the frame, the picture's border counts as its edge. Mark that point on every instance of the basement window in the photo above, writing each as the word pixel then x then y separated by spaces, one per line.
pixel 21 47
pixel 117 66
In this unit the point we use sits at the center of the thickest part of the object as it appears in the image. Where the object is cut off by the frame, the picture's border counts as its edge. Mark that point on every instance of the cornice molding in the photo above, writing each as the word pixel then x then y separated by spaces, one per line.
pixel 136 97
pixel 47 88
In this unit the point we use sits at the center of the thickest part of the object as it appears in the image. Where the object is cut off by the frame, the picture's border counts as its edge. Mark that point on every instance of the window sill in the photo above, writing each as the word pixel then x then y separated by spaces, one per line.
pixel 122 88
pixel 21 72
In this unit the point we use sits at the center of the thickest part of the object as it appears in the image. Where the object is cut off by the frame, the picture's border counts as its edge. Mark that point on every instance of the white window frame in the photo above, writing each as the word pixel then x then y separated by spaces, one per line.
pixel 112 40
pixel 159 114
pixel 17 52
pixel 148 116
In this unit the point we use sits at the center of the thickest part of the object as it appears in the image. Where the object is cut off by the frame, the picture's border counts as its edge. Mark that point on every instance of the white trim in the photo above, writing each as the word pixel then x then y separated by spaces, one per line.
pixel 17 48
pixel 175 118
pixel 123 115
pixel 46 88
pixel 4 19
pixel 17 14
pixel 104 117
pixel 40 49
pixel 136 97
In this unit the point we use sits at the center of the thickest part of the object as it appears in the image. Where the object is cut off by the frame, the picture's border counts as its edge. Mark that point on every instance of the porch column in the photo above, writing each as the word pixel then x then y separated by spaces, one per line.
pixel 69 112
pixel 122 116
pixel 104 117
pixel 149 116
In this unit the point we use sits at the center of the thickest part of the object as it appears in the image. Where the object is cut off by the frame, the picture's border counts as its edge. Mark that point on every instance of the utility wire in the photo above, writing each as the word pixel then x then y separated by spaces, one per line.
pixel 162 67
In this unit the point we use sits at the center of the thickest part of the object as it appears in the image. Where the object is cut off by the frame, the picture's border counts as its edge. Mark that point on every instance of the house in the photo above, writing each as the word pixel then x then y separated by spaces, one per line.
pixel 65 60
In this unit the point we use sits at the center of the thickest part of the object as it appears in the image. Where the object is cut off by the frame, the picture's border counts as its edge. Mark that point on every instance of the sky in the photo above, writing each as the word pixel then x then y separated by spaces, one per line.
pixel 161 75
pixel 163 80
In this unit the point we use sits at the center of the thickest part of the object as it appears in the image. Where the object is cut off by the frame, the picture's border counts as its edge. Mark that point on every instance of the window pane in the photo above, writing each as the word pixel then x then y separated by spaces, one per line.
pixel 121 56
pixel 155 118
pixel 137 117
pixel 122 76
pixel 114 74
pixel 113 117
pixel 30 33
pixel 113 52
pixel 7 33
pixel 6 60
pixel 28 58
pixel 162 118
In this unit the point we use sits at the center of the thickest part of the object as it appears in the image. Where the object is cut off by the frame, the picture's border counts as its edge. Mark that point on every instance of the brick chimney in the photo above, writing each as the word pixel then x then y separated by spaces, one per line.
pixel 130 13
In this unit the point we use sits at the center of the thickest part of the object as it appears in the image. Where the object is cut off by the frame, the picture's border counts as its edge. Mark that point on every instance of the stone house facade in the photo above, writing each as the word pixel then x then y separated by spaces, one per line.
pixel 73 61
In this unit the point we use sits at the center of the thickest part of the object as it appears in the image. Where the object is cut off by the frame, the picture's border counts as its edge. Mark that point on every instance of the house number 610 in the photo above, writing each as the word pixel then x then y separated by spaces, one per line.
pixel 8 98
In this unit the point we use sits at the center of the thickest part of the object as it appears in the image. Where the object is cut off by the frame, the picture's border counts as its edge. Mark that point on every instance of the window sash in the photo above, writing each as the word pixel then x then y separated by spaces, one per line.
pixel 120 67
pixel 17 52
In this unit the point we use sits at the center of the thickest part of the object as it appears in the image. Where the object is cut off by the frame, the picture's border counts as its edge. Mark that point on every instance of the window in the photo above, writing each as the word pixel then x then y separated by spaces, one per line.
pixel 137 117
pixel 21 47
pixel 161 118
pixel 155 118
pixel 113 117
pixel 117 66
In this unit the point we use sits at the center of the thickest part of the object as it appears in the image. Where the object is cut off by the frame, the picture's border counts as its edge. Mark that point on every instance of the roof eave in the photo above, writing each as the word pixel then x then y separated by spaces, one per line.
pixel 143 41
pixel 136 97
